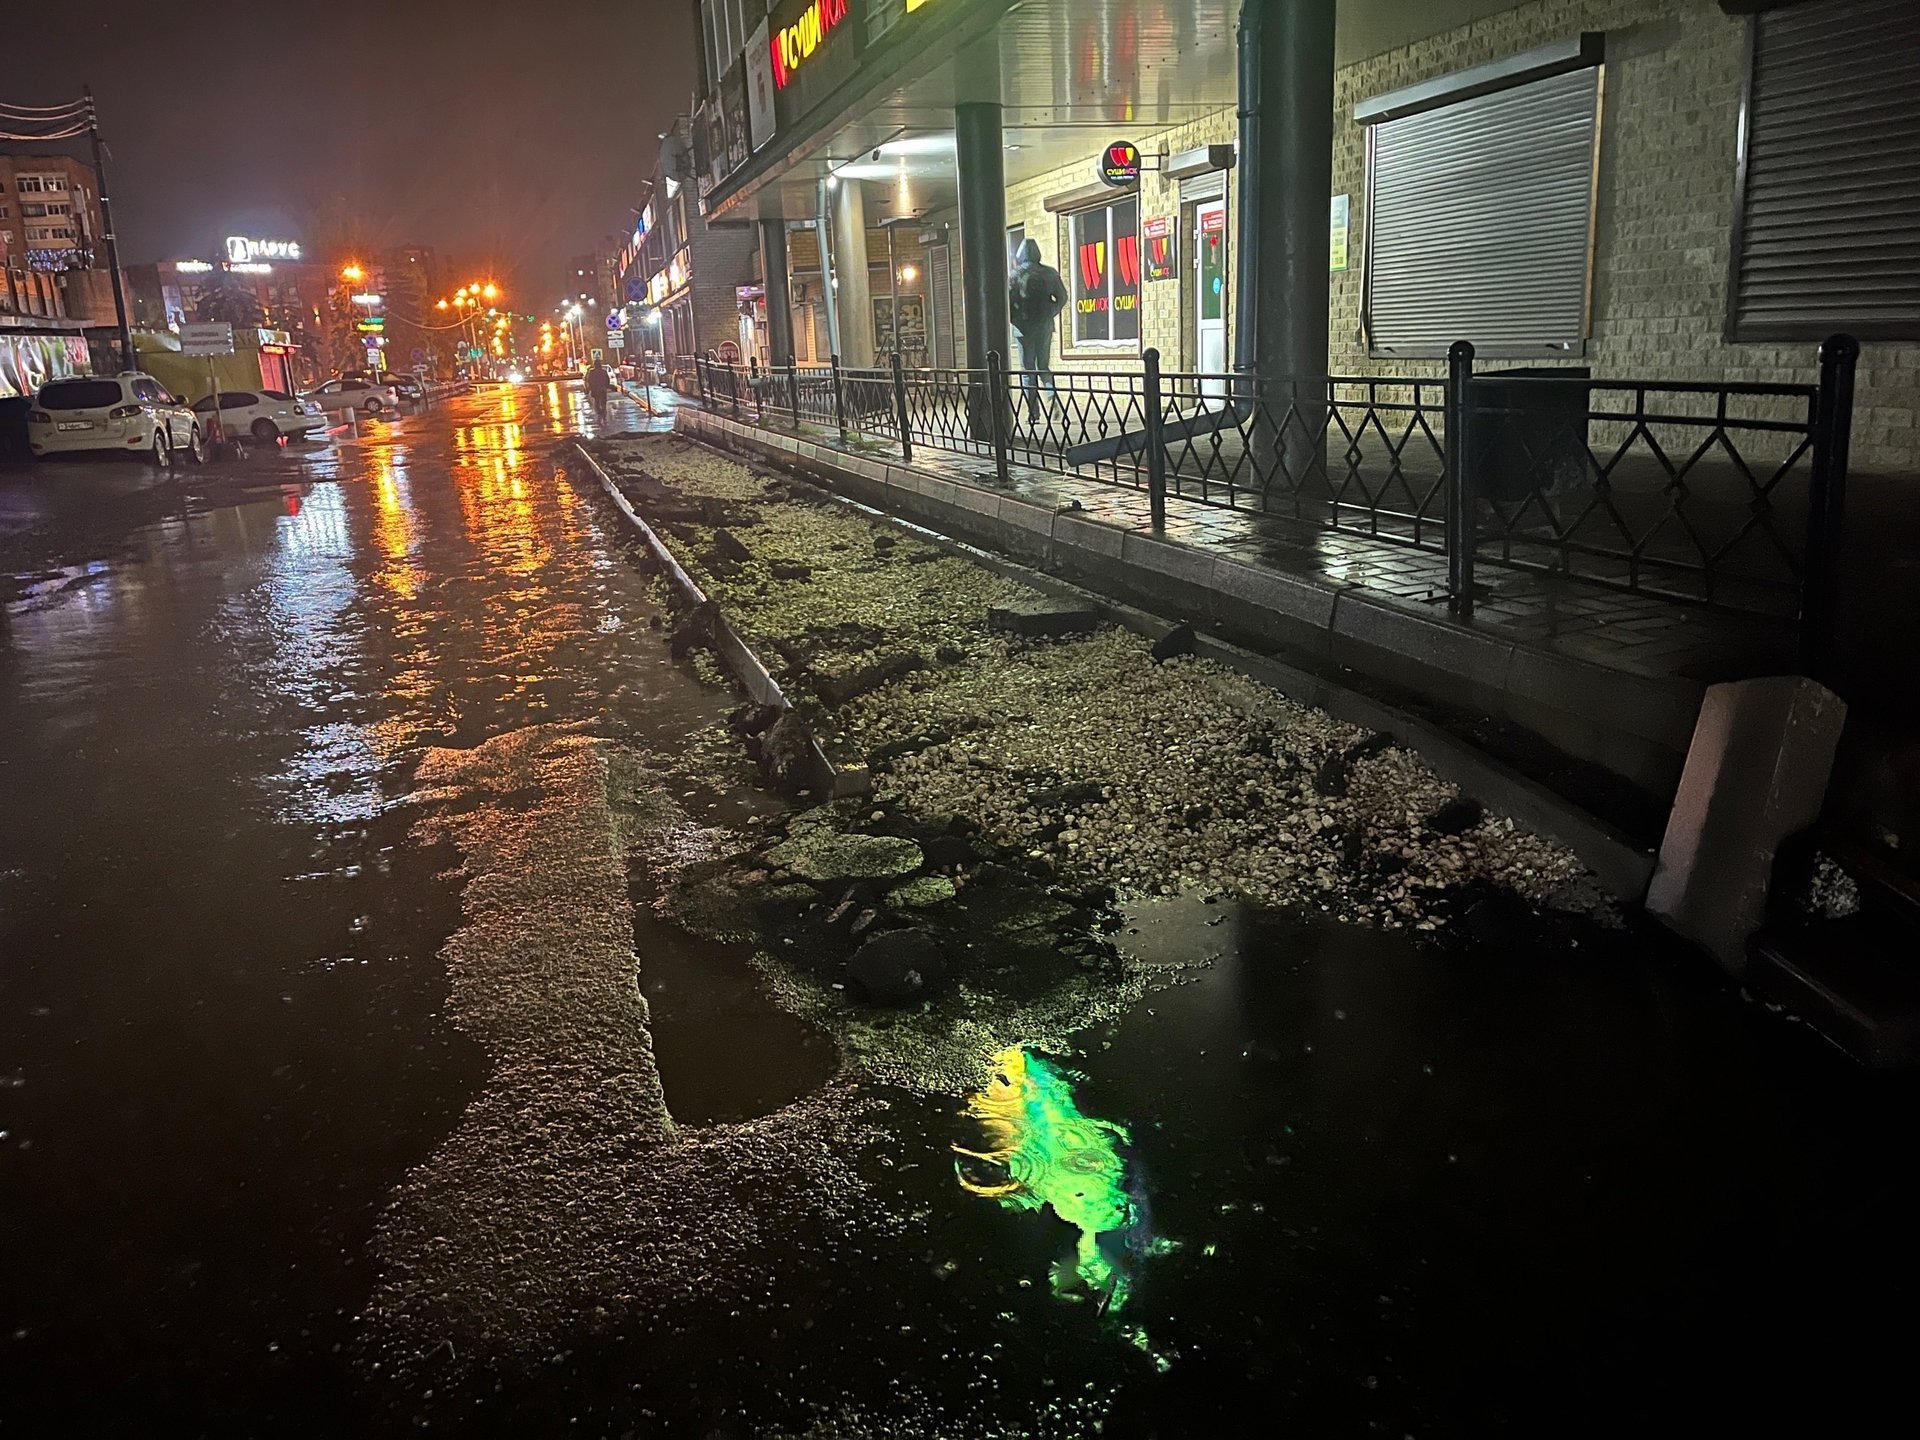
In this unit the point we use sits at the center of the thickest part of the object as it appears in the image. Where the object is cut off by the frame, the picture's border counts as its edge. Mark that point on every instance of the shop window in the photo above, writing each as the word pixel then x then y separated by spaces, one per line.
pixel 1827 220
pixel 1480 207
pixel 1103 257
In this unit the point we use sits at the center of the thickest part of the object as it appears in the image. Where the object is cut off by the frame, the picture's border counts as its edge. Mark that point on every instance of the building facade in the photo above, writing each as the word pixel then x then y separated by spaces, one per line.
pixel 52 258
pixel 1560 182
pixel 684 285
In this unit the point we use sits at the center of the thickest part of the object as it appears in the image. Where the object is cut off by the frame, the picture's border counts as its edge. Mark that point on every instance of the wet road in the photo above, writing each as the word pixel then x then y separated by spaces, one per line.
pixel 1527 1188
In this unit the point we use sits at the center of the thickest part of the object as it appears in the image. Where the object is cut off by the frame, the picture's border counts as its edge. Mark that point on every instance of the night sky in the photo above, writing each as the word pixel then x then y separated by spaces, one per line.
pixel 510 134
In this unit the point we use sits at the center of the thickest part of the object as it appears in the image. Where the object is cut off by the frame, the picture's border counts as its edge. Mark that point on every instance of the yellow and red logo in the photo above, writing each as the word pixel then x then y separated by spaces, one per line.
pixel 793 45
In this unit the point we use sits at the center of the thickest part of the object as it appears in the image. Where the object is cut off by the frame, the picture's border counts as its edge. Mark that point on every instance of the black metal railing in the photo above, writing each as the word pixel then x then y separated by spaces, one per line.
pixel 1726 494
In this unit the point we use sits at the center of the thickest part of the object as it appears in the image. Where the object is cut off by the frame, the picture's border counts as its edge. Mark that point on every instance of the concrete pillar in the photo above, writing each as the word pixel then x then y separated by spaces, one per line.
pixel 981 169
pixel 1289 190
pixel 852 300
pixel 773 272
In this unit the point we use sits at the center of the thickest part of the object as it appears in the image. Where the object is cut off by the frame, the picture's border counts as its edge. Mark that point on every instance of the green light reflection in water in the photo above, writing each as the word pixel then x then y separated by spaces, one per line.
pixel 1053 1157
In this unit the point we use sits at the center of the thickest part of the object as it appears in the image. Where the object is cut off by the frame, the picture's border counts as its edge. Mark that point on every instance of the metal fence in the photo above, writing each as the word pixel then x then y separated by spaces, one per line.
pixel 1723 494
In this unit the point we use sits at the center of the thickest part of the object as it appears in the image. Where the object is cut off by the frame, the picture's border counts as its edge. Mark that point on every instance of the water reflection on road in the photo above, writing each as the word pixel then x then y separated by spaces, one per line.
pixel 220 971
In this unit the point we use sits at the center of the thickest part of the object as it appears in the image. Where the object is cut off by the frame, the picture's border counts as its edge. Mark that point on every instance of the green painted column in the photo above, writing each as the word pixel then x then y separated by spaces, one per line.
pixel 982 177
pixel 1289 190
pixel 773 271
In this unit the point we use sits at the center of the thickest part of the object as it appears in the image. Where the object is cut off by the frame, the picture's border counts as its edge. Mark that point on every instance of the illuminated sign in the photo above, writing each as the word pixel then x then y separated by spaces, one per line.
pixel 1163 248
pixel 1120 164
pixel 913 5
pixel 250 267
pixel 366 299
pixel 793 45
pixel 193 267
pixel 240 249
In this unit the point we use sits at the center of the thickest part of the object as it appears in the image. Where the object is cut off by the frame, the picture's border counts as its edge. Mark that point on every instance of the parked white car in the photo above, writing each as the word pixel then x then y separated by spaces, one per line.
pixel 264 414
pixel 363 395
pixel 131 413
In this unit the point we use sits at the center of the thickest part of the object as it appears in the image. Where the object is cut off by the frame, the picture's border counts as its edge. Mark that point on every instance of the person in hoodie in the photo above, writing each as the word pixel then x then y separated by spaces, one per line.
pixel 1035 297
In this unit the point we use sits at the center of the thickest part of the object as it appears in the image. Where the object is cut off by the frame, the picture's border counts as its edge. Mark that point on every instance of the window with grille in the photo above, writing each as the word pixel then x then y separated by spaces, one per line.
pixel 1104 254
pixel 1480 207
pixel 1827 222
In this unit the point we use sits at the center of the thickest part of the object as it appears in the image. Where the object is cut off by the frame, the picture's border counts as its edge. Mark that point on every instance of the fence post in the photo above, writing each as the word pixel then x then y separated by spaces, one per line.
pixel 733 388
pixel 1156 442
pixel 997 416
pixel 793 393
pixel 700 374
pixel 1462 512
pixel 1827 504
pixel 900 408
pixel 839 399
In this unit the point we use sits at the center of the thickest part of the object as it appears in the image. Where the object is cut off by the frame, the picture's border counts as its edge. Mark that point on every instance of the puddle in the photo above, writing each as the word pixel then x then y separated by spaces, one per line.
pixel 725 1051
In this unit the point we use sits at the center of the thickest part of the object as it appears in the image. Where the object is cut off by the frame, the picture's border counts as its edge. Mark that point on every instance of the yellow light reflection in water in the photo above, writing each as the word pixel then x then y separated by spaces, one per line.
pixel 396 527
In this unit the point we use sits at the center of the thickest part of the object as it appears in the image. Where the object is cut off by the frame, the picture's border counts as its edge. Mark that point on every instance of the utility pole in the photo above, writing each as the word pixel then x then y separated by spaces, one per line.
pixel 106 225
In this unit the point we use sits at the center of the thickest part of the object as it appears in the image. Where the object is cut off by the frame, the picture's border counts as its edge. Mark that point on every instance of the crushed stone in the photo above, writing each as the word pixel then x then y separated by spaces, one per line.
pixel 566 1190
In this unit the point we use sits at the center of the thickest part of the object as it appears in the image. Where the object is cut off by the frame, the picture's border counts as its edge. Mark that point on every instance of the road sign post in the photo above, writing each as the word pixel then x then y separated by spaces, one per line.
pixel 209 338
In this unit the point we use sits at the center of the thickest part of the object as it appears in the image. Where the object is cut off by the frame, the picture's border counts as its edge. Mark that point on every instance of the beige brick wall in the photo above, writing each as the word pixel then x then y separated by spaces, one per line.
pixel 1663 217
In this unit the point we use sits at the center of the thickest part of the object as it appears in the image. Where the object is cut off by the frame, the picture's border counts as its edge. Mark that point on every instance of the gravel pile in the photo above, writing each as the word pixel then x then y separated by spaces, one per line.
pixel 1084 752
pixel 566 1190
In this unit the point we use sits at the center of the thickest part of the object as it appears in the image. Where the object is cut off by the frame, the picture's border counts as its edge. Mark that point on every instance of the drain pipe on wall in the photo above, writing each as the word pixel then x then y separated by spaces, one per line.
pixel 1246 274
pixel 823 237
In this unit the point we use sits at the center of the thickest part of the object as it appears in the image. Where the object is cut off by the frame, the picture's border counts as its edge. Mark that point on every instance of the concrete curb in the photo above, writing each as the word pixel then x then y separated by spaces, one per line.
pixel 1310 613
pixel 734 653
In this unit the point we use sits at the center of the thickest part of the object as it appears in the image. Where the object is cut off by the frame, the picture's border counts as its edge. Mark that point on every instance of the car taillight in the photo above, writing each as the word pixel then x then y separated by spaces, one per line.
pixel 123 412
pixel 39 417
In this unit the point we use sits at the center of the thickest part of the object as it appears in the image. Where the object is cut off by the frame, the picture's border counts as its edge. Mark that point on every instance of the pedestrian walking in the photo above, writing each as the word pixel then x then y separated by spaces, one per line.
pixel 599 383
pixel 1035 297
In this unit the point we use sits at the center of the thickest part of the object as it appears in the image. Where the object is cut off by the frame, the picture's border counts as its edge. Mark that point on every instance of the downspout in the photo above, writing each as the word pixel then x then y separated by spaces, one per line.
pixel 823 233
pixel 1246 277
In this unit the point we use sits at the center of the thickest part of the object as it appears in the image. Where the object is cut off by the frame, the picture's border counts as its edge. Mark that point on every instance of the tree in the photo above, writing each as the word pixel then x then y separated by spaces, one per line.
pixel 229 302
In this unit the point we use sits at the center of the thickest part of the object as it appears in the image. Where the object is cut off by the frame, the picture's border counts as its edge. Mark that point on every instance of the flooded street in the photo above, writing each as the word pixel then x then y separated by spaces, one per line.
pixel 261 1046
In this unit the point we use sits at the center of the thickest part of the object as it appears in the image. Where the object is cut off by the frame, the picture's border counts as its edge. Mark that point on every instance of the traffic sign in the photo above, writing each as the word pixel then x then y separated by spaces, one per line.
pixel 211 338
pixel 616 340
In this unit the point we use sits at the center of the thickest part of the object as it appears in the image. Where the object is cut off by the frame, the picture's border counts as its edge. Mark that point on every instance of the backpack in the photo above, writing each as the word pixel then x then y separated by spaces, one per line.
pixel 1025 304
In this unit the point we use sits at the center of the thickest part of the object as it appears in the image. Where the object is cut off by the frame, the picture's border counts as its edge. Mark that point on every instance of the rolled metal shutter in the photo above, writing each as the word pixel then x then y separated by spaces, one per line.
pixel 1480 222
pixel 1829 224
pixel 940 302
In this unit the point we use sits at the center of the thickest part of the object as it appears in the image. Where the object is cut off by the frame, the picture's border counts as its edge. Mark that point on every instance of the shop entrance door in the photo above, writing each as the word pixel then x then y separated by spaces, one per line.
pixel 1210 297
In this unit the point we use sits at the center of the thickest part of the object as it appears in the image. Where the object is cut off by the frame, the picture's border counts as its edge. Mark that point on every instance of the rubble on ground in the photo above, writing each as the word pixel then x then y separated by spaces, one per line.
pixel 1093 756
